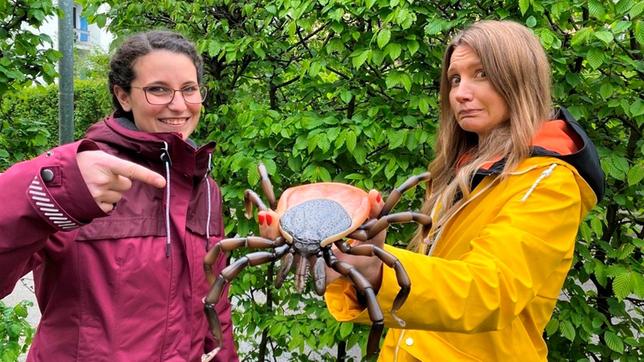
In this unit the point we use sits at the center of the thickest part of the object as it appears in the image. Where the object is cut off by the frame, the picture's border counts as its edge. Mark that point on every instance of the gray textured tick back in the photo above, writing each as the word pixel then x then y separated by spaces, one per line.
pixel 313 221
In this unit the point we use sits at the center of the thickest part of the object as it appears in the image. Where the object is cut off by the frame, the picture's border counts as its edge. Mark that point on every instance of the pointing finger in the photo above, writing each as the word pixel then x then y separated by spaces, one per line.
pixel 134 171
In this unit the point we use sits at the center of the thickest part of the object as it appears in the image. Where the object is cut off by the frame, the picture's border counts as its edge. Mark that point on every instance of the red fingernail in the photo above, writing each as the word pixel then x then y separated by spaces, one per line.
pixel 269 219
pixel 379 198
pixel 260 218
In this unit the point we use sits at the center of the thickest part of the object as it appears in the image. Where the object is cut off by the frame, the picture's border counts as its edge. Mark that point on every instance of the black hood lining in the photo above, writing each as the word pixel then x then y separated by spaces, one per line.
pixel 585 160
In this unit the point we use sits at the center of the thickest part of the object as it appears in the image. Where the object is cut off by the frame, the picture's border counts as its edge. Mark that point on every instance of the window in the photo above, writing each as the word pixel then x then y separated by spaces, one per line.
pixel 80 25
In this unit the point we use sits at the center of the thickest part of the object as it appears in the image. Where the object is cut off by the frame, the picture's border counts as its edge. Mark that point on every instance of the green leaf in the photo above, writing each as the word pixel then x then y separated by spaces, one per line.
pixel 312 121
pixel 606 90
pixel 637 108
pixel 253 175
pixel 377 56
pixel 595 58
pixel 605 36
pixel 383 37
pixel 597 227
pixel 413 46
pixel 635 175
pixel 552 327
pixel 101 20
pixel 345 329
pixel 531 21
pixel 581 36
pixel 346 96
pixel 312 142
pixel 638 282
pixel 393 50
pixel 391 168
pixel 621 26
pixel 433 27
pixel 596 9
pixel 322 174
pixel 360 155
pixel 20 310
pixel 392 80
pixel 636 10
pixel 405 79
pixel 359 57
pixel 523 6
pixel 567 330
pixel 257 49
pixel 396 138
pixel 616 166
pixel 614 342
pixel 350 139
pixel 600 273
pixel 622 285
pixel 423 105
pixel 623 6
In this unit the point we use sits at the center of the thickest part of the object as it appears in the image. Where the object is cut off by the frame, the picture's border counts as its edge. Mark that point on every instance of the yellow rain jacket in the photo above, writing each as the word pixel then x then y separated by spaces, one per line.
pixel 490 284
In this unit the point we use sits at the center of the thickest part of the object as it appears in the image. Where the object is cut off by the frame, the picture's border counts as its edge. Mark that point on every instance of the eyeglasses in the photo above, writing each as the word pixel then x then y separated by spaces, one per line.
pixel 161 96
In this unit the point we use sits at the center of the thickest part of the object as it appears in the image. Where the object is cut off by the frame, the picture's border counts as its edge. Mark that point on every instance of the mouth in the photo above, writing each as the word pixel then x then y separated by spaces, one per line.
pixel 175 121
pixel 468 113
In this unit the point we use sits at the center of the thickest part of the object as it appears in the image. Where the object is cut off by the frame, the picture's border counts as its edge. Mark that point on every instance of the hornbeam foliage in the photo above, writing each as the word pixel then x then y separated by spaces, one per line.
pixel 346 90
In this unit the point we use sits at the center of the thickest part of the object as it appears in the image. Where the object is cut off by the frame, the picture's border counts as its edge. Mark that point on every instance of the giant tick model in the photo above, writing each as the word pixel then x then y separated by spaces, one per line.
pixel 300 229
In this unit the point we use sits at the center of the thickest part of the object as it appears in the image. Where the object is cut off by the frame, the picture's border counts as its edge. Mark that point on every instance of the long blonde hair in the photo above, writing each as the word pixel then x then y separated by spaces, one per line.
pixel 517 66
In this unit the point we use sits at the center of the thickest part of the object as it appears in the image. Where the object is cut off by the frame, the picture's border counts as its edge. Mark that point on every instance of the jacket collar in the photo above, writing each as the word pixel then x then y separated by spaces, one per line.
pixel 562 138
pixel 122 134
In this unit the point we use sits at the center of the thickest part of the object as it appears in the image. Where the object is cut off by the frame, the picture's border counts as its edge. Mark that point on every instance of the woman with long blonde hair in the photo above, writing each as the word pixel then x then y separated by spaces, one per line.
pixel 510 184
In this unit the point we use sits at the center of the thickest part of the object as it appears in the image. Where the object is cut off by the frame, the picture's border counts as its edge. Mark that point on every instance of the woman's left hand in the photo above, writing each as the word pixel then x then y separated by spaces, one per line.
pixel 369 266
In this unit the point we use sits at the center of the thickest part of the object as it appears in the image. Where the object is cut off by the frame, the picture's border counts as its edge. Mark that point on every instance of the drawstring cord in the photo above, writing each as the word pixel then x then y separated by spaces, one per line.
pixel 165 157
pixel 543 175
pixel 209 200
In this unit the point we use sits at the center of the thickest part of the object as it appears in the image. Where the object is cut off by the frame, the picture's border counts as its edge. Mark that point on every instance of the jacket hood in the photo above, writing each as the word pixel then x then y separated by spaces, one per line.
pixel 122 134
pixel 562 138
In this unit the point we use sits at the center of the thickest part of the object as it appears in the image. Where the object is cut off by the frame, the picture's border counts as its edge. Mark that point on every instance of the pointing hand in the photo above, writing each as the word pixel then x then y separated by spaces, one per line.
pixel 108 177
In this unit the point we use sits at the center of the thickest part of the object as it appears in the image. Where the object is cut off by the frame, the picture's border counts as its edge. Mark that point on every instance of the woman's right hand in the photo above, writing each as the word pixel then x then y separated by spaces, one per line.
pixel 107 177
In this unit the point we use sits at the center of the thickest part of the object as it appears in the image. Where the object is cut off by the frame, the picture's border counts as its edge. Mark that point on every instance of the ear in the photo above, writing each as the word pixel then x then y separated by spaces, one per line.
pixel 123 98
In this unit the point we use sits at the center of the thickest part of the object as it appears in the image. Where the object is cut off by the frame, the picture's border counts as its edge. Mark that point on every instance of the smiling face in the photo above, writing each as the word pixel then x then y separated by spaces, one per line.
pixel 476 104
pixel 166 69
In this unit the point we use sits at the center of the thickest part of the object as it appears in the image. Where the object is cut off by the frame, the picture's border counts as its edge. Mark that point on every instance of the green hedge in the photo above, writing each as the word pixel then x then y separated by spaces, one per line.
pixel 346 90
pixel 29 117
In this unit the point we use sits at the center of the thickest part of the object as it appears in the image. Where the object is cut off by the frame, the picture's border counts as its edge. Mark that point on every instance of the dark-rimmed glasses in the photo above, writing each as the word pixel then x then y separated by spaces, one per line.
pixel 161 96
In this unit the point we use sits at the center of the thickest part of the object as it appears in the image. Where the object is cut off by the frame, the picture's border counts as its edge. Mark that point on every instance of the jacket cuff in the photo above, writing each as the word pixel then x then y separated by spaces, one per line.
pixel 342 301
pixel 58 192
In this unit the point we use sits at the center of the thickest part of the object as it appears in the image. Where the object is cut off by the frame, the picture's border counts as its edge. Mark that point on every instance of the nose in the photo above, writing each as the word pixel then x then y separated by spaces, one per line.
pixel 178 103
pixel 463 93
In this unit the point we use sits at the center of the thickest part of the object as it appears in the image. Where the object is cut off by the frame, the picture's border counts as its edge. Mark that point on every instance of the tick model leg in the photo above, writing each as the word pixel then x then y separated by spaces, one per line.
pixel 394 196
pixel 365 288
pixel 227 245
pixel 391 261
pixel 375 226
pixel 228 274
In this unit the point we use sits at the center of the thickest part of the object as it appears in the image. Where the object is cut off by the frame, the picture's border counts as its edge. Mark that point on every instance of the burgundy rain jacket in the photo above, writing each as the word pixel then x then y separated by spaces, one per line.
pixel 127 286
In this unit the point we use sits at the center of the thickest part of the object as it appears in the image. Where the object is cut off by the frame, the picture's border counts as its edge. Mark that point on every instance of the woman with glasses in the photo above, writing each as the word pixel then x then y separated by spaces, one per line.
pixel 115 227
